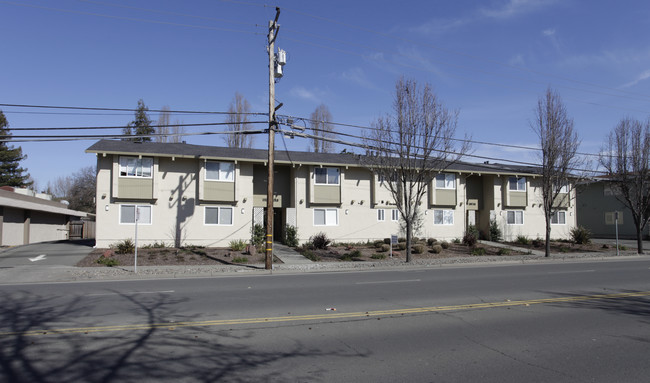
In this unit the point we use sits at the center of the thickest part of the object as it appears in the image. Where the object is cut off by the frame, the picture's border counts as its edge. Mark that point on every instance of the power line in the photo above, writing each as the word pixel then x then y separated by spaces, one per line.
pixel 125 109
pixel 121 136
pixel 122 127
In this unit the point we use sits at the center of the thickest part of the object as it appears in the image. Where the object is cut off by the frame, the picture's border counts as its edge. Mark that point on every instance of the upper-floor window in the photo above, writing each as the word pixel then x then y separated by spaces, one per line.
pixel 517 183
pixel 563 188
pixel 135 167
pixel 445 181
pixel 326 176
pixel 219 171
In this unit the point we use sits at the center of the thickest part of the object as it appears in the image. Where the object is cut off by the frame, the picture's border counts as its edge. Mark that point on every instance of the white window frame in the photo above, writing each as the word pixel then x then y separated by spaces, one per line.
pixel 138 164
pixel 222 175
pixel 563 189
pixel 448 181
pixel 447 217
pixel 381 215
pixel 394 215
pixel 517 184
pixel 555 216
pixel 326 211
pixel 514 215
pixel 328 175
pixel 140 221
pixel 219 209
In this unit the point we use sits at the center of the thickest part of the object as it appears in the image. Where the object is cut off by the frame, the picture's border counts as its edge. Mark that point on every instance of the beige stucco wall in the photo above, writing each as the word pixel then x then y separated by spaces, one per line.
pixel 47 227
pixel 12 227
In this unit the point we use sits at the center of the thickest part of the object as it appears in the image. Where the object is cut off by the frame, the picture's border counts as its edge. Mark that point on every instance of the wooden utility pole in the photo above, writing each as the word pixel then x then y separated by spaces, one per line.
pixel 273 28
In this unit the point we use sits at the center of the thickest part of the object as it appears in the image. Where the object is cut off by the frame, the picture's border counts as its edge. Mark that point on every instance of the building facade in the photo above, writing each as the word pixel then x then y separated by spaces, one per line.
pixel 202 195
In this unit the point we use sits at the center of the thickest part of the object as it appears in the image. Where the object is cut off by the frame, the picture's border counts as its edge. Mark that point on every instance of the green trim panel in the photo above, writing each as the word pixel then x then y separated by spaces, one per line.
pixel 218 191
pixel 135 188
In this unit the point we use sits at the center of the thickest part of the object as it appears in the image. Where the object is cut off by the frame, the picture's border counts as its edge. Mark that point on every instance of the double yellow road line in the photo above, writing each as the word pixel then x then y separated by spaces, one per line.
pixel 328 316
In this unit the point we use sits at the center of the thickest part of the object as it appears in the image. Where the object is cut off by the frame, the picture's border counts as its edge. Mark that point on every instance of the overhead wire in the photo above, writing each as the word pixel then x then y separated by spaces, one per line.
pixel 127 109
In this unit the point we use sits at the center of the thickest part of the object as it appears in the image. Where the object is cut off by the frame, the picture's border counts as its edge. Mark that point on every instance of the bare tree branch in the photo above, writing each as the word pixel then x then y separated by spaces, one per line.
pixel 321 127
pixel 238 121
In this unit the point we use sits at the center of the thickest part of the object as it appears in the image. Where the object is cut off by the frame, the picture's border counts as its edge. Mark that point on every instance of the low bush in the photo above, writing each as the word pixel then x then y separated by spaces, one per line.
pixel 401 239
pixel 436 249
pixel 237 245
pixel 124 247
pixel 156 245
pixel 385 248
pixel 495 232
pixel 445 244
pixel 355 254
pixel 387 241
pixel 522 240
pixel 478 251
pixel 378 244
pixel 108 262
pixel 319 241
pixel 471 236
pixel 503 252
pixel 580 235
pixel 311 256
pixel 418 249
pixel 538 242
pixel 258 233
pixel 240 260
pixel 456 240
pixel 291 236
pixel 431 241
pixel 378 256
pixel 401 245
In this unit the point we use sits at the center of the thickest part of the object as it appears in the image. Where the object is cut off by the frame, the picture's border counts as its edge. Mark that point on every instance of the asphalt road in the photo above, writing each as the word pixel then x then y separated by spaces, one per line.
pixel 55 253
pixel 539 323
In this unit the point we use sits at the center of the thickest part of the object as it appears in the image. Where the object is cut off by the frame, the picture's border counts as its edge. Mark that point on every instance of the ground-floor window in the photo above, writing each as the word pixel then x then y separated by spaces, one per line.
pixel 218 215
pixel 128 214
pixel 515 217
pixel 394 215
pixel 326 217
pixel 443 217
pixel 558 218
pixel 381 215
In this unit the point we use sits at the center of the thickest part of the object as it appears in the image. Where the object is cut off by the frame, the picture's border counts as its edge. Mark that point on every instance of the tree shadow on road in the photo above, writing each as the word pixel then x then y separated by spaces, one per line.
pixel 637 306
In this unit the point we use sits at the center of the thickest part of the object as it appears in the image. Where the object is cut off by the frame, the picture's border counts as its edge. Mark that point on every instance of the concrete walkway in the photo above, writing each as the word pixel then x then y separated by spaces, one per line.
pixel 288 256
pixel 514 248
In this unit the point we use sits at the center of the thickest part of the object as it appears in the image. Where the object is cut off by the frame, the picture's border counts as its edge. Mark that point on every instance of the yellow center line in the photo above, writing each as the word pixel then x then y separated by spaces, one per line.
pixel 338 315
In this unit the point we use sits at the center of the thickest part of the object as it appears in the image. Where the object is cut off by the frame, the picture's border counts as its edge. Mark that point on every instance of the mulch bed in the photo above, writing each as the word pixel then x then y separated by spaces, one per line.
pixel 174 257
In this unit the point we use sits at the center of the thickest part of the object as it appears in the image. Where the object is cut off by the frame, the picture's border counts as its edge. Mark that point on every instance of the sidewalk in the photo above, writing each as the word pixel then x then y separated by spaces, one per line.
pixel 293 264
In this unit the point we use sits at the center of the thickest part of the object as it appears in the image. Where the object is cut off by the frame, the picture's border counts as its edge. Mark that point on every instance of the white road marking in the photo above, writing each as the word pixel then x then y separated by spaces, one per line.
pixel 382 282
pixel 572 272
pixel 39 258
pixel 131 293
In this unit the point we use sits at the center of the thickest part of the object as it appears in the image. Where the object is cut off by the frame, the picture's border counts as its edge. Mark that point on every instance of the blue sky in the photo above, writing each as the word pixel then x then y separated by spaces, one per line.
pixel 491 60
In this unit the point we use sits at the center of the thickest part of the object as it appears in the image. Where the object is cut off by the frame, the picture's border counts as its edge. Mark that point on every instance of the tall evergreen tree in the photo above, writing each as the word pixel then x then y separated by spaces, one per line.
pixel 11 173
pixel 140 126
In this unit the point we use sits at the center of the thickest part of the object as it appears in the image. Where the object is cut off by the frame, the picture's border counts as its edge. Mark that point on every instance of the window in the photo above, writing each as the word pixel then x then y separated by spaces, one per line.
pixel 558 218
pixel 562 189
pixel 135 167
pixel 326 176
pixel 517 183
pixel 219 171
pixel 217 215
pixel 443 217
pixel 445 181
pixel 326 217
pixel 128 214
pixel 381 215
pixel 515 217
pixel 394 215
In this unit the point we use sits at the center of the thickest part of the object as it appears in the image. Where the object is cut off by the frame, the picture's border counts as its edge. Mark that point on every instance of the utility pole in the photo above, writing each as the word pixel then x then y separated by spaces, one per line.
pixel 273 30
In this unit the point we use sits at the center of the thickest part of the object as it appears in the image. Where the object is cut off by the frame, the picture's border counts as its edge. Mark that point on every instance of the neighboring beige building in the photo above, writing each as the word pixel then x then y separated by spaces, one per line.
pixel 26 217
pixel 205 195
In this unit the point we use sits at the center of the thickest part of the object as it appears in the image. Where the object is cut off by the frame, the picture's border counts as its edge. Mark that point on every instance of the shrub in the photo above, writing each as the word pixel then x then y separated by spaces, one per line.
pixel 385 248
pixel 401 245
pixel 471 236
pixel 456 240
pixel 124 247
pixel 378 244
pixel 378 256
pixel 401 239
pixel 437 249
pixel 445 244
pixel 240 260
pixel 319 241
pixel 495 233
pixel 291 236
pixel 311 256
pixel 355 254
pixel 258 234
pixel 478 251
pixel 155 245
pixel 387 241
pixel 108 262
pixel 431 241
pixel 237 245
pixel 605 246
pixel 580 235
pixel 538 242
pixel 522 240
pixel 503 252
pixel 418 249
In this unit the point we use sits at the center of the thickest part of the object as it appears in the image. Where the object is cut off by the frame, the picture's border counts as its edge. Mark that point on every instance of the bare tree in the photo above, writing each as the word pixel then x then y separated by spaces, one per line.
pixel 320 124
pixel 78 189
pixel 626 157
pixel 238 122
pixel 162 125
pixel 176 132
pixel 559 145
pixel 411 146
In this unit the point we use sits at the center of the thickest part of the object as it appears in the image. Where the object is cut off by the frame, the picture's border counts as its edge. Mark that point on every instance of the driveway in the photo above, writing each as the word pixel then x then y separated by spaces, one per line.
pixel 629 243
pixel 57 253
